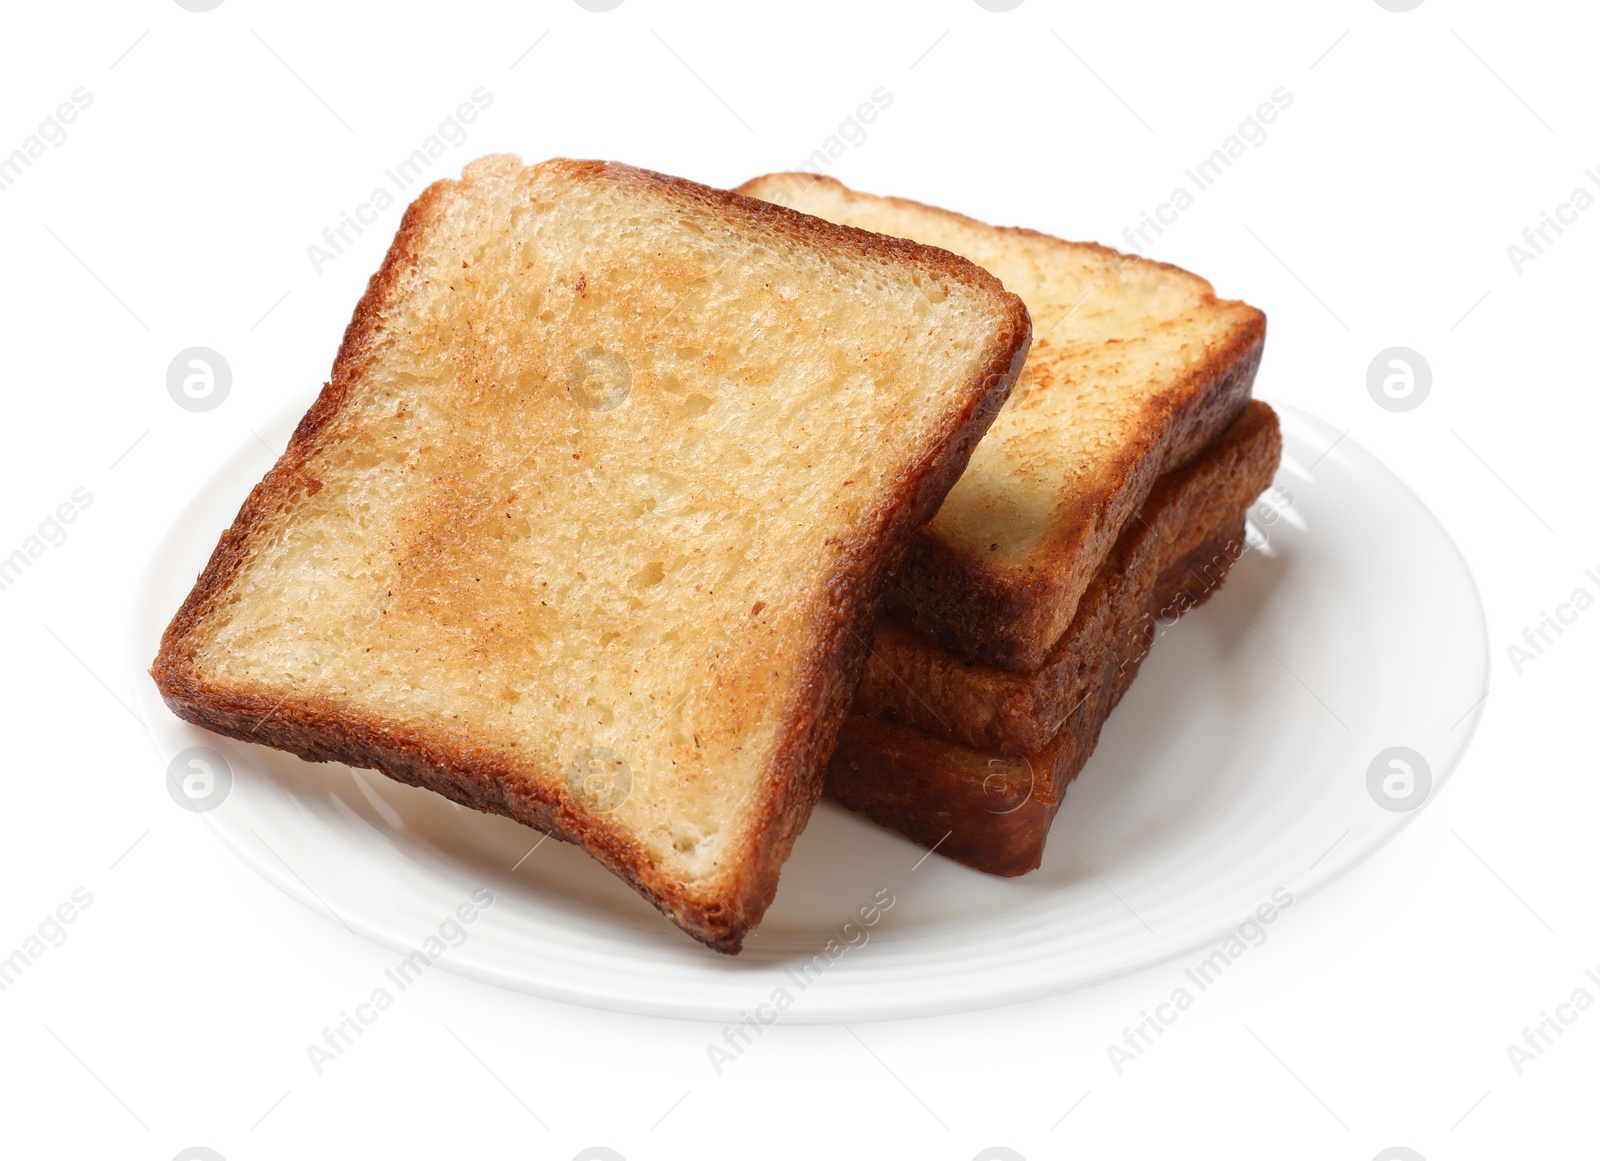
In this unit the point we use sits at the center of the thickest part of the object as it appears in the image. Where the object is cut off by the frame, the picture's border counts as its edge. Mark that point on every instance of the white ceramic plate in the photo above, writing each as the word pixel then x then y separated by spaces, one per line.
pixel 1236 767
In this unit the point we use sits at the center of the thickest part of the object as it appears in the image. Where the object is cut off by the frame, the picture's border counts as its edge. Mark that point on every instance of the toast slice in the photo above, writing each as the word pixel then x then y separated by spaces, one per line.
pixel 993 811
pixel 591 525
pixel 913 682
pixel 1135 367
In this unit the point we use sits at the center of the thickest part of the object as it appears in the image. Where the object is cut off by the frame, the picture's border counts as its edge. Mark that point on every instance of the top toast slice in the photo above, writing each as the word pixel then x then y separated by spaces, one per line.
pixel 914 682
pixel 591 524
pixel 1136 366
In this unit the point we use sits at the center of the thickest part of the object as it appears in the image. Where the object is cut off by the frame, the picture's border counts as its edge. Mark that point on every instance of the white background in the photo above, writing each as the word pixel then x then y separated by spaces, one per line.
pixel 177 213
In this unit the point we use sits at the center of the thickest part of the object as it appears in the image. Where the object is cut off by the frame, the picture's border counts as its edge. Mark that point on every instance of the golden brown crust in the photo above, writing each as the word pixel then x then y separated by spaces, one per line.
pixel 916 683
pixel 848 601
pixel 834 668
pixel 752 187
pixel 1010 616
pixel 949 787
pixel 989 811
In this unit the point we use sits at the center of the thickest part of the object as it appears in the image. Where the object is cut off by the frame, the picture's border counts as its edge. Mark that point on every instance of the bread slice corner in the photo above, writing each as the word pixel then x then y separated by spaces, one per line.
pixel 1135 367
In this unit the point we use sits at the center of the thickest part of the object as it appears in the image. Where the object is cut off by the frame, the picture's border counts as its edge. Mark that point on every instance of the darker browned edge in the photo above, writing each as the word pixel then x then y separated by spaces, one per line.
pixel 1011 619
pixel 849 601
pixel 924 785
pixel 914 682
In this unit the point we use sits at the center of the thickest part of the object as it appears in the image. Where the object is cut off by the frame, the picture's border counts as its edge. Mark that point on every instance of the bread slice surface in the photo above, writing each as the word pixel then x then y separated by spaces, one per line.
pixel 916 683
pixel 993 811
pixel 1135 367
pixel 592 522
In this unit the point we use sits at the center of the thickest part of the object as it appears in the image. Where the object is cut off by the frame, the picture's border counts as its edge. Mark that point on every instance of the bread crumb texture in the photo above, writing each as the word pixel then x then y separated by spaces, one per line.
pixel 586 490
pixel 1115 342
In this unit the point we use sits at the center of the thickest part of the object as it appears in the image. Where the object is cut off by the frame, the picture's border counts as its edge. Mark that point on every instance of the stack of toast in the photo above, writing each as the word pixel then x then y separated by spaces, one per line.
pixel 630 501
pixel 1108 497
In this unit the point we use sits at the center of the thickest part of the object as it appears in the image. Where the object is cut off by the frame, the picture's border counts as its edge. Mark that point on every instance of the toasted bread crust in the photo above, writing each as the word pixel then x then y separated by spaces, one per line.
pixel 992 812
pixel 915 683
pixel 835 666
pixel 846 607
pixel 753 187
pixel 1009 616
pixel 1010 619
